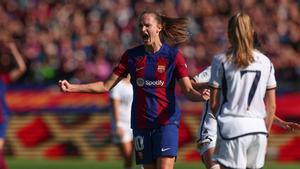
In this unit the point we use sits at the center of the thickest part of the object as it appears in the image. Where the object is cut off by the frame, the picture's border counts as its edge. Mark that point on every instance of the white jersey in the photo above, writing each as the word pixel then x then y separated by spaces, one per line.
pixel 243 94
pixel 123 91
pixel 204 76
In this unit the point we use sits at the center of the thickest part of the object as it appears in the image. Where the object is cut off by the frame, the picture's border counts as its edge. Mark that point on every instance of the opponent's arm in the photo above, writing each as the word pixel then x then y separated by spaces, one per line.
pixel 285 124
pixel 270 102
pixel 214 100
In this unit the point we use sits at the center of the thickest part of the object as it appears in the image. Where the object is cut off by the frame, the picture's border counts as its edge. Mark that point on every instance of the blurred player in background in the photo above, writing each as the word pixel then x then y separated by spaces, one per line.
pixel 207 135
pixel 245 114
pixel 154 68
pixel 7 75
pixel 121 99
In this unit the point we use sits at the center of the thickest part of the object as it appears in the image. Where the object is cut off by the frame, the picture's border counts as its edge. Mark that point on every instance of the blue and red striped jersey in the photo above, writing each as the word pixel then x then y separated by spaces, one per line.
pixel 153 77
pixel 4 80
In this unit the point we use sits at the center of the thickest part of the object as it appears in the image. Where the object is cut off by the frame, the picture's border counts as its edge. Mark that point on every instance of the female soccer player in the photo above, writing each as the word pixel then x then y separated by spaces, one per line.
pixel 246 79
pixel 5 78
pixel 153 67
pixel 207 137
pixel 121 98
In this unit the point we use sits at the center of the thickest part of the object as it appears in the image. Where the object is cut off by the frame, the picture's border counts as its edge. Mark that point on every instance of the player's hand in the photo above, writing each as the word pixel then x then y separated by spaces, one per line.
pixel 119 132
pixel 64 85
pixel 201 143
pixel 292 126
pixel 206 94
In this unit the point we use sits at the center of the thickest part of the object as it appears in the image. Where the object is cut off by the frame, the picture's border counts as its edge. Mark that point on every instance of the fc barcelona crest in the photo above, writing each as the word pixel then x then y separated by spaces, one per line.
pixel 161 68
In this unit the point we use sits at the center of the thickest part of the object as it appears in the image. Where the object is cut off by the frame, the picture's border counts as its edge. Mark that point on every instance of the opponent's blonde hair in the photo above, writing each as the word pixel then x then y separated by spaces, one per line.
pixel 240 34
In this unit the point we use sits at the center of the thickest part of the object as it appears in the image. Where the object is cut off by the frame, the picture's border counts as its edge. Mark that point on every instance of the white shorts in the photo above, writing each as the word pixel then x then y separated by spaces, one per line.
pixel 244 152
pixel 207 137
pixel 204 145
pixel 127 136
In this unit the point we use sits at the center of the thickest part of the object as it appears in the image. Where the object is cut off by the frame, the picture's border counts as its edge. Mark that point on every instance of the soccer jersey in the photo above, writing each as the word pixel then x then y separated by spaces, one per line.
pixel 4 111
pixel 242 110
pixel 124 93
pixel 204 76
pixel 4 80
pixel 153 77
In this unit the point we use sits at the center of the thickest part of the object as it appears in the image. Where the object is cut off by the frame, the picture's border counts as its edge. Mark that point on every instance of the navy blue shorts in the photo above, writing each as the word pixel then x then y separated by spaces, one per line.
pixel 153 143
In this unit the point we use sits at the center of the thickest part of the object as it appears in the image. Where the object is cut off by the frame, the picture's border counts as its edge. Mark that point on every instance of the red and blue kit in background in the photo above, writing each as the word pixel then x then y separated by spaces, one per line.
pixel 4 111
pixel 155 114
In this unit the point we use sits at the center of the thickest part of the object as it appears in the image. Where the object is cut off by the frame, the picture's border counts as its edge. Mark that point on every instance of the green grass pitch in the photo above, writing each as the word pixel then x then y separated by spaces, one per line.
pixel 83 164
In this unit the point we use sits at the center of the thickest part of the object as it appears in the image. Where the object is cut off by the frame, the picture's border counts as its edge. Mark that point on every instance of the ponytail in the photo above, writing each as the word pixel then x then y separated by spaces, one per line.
pixel 174 30
pixel 241 37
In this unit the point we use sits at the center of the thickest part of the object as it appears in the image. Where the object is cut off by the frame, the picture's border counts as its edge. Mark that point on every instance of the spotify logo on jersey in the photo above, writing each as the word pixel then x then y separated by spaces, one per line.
pixel 141 82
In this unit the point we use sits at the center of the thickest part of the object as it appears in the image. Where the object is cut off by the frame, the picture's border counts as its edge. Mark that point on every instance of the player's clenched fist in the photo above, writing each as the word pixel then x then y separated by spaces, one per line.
pixel 64 85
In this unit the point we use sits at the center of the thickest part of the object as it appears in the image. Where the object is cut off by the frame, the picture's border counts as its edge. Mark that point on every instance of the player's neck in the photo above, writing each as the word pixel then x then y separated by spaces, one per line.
pixel 154 47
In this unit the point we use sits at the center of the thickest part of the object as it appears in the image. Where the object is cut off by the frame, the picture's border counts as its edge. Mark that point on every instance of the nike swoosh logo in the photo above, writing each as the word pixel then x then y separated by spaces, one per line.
pixel 137 69
pixel 165 149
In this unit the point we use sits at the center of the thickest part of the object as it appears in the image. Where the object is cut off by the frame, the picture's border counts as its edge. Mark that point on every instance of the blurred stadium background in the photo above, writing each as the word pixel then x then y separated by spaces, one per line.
pixel 81 40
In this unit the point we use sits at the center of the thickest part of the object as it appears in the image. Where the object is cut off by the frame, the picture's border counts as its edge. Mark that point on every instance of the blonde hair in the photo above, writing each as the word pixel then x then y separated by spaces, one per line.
pixel 174 30
pixel 240 34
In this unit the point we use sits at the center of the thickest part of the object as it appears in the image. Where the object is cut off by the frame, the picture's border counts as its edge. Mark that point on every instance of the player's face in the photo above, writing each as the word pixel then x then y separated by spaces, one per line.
pixel 149 29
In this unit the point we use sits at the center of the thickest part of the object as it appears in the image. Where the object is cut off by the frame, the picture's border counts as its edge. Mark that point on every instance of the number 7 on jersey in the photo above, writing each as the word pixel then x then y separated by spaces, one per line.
pixel 254 84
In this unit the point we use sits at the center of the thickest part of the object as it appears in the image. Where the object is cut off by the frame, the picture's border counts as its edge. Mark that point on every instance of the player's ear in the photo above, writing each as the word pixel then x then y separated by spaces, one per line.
pixel 159 26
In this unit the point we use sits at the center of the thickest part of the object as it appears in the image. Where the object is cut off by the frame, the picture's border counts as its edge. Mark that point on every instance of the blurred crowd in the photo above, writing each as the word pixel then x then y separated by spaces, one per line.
pixel 82 40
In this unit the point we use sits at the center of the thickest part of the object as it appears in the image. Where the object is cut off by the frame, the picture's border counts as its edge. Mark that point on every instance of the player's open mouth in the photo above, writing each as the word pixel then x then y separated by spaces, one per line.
pixel 145 37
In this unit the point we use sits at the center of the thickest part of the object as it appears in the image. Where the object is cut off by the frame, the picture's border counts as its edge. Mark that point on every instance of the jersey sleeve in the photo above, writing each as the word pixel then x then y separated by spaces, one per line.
pixel 204 76
pixel 115 92
pixel 216 72
pixel 271 84
pixel 122 68
pixel 180 66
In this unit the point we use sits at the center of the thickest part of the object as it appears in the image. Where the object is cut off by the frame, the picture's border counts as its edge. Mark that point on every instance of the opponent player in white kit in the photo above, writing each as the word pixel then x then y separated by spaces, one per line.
pixel 247 82
pixel 208 127
pixel 207 135
pixel 121 98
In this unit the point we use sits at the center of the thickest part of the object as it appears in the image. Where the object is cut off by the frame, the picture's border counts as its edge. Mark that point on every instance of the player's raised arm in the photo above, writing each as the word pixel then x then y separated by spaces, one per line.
pixel 21 66
pixel 95 87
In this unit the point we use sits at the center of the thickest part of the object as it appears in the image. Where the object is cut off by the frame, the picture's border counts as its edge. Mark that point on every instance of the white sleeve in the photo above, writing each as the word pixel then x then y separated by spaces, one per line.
pixel 216 72
pixel 271 81
pixel 204 76
pixel 115 92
